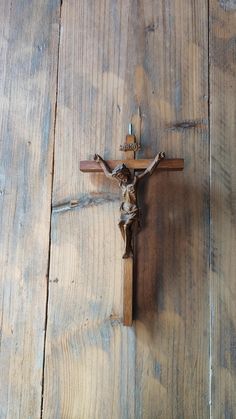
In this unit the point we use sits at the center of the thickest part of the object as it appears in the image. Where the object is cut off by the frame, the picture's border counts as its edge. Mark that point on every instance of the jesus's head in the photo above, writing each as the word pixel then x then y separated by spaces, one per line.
pixel 122 173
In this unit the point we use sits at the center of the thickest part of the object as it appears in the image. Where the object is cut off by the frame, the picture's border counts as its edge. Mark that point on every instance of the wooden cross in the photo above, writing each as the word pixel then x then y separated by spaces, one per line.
pixel 129 215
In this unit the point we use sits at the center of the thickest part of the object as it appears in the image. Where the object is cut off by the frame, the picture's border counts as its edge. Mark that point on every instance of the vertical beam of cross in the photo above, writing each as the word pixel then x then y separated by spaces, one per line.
pixel 129 262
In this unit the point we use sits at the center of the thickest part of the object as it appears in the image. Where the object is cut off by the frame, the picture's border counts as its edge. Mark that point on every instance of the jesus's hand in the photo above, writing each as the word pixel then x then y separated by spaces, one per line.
pixel 160 156
pixel 97 158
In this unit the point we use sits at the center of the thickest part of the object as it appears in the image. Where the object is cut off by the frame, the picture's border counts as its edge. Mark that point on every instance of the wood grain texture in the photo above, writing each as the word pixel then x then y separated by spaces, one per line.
pixel 167 164
pixel 223 207
pixel 114 58
pixel 90 355
pixel 28 64
pixel 172 311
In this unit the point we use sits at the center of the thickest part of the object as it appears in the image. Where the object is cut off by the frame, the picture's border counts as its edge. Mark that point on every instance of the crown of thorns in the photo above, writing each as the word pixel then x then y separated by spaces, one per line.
pixel 121 169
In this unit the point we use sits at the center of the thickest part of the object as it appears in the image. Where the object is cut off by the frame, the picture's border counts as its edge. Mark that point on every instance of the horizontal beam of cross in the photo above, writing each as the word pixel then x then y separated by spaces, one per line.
pixel 166 164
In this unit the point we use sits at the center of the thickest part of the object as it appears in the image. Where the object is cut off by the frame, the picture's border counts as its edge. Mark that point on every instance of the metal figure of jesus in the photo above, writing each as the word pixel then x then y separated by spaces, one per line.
pixel 129 211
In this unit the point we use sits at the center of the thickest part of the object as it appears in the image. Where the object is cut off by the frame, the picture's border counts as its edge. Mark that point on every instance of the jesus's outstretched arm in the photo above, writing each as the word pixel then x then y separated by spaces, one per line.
pixel 106 169
pixel 150 169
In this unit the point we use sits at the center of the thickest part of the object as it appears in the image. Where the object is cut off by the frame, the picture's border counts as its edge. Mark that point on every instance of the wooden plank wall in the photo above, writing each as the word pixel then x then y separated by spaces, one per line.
pixel 114 58
pixel 28 66
pixel 87 346
pixel 223 206
pixel 74 73
pixel 172 379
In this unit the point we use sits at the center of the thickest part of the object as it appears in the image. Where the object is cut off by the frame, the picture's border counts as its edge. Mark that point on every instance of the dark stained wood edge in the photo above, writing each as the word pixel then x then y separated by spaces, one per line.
pixel 166 164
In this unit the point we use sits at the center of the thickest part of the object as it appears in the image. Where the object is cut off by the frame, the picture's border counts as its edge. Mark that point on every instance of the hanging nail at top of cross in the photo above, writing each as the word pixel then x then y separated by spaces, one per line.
pixel 126 173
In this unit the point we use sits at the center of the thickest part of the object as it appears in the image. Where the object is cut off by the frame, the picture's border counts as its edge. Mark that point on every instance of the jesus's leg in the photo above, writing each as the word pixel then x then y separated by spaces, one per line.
pixel 128 241
pixel 121 227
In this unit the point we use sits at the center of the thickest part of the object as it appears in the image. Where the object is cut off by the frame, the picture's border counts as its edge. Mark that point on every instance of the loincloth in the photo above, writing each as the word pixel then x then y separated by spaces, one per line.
pixel 130 215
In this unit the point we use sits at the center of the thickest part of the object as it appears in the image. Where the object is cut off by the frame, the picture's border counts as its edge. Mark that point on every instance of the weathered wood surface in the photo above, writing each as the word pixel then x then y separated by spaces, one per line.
pixel 167 164
pixel 172 311
pixel 87 345
pixel 28 67
pixel 223 207
pixel 115 57
pixel 117 60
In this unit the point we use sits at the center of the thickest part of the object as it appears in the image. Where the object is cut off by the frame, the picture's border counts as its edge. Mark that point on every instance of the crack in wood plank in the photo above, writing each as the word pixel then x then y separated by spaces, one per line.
pixel 85 201
pixel 52 179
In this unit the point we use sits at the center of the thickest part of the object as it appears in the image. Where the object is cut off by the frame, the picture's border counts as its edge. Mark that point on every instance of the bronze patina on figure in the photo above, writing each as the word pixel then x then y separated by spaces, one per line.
pixel 129 211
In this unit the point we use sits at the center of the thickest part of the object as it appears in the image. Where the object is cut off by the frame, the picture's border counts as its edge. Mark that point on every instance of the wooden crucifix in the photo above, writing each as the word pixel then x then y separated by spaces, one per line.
pixel 128 177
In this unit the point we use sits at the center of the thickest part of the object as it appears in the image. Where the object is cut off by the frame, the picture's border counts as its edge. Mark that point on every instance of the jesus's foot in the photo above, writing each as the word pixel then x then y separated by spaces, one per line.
pixel 127 255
